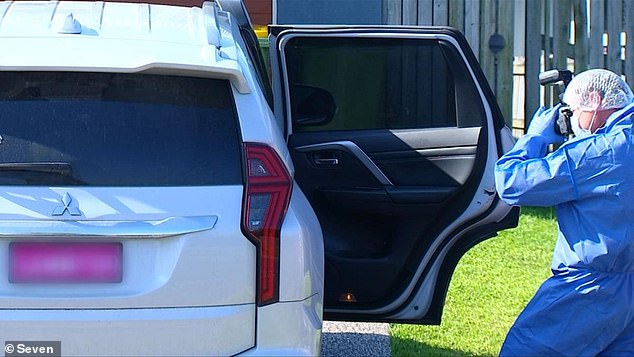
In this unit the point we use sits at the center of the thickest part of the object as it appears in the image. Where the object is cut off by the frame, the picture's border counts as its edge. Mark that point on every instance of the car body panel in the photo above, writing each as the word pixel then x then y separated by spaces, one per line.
pixel 298 329
pixel 301 257
pixel 156 39
pixel 160 262
pixel 115 332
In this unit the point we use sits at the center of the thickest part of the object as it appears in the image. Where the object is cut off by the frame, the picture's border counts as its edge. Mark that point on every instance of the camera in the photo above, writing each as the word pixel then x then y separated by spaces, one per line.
pixel 560 78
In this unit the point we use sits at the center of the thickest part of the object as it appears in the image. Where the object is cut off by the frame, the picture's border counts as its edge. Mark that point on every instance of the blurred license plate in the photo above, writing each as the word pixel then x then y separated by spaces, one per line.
pixel 48 262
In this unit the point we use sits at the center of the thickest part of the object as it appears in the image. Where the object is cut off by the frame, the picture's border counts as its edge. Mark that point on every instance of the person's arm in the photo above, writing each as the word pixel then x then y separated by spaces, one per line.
pixel 526 176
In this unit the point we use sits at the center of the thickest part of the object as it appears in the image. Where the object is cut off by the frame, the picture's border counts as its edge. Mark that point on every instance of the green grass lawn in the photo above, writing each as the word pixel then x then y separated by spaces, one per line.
pixel 491 285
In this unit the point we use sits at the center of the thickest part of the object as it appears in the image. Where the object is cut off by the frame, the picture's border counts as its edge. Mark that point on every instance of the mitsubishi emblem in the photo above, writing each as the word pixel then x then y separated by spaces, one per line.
pixel 68 205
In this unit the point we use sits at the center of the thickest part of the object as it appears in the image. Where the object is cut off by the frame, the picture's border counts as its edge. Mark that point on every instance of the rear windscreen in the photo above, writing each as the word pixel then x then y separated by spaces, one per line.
pixel 104 129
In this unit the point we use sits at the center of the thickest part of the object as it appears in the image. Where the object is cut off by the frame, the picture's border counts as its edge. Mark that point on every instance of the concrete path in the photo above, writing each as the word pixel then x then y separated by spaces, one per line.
pixel 355 339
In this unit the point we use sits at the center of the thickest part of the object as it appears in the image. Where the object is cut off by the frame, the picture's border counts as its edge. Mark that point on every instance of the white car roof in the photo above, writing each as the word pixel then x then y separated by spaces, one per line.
pixel 119 37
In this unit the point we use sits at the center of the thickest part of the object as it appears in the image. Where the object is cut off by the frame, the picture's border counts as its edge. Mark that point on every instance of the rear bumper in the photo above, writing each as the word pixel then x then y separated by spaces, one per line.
pixel 128 332
pixel 289 328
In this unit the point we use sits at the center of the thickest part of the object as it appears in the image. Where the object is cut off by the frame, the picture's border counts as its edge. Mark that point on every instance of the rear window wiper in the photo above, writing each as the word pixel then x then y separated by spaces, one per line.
pixel 41 172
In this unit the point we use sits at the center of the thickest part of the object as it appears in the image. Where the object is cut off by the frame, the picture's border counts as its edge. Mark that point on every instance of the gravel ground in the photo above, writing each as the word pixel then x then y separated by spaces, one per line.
pixel 355 339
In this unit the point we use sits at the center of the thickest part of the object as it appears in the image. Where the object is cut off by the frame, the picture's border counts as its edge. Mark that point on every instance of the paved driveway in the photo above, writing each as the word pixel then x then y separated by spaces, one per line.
pixel 341 339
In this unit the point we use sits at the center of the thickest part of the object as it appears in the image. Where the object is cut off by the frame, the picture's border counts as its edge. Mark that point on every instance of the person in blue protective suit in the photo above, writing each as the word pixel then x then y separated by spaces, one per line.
pixel 586 307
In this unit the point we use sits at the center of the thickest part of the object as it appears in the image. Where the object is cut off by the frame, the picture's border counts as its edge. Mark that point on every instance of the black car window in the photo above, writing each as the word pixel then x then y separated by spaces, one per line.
pixel 380 83
pixel 104 129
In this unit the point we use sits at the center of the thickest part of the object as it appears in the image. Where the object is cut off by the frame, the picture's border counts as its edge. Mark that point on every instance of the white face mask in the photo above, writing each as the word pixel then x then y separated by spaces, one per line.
pixel 578 130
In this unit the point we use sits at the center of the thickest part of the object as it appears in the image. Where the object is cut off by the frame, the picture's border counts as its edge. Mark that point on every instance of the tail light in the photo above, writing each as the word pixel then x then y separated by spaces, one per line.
pixel 267 193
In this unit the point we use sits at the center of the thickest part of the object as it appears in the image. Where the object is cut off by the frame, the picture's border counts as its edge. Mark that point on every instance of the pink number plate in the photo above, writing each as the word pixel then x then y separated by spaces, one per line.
pixel 48 262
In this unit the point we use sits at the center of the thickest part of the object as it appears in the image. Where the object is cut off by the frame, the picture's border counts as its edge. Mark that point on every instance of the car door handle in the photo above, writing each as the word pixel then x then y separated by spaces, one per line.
pixel 326 159
pixel 349 148
pixel 326 162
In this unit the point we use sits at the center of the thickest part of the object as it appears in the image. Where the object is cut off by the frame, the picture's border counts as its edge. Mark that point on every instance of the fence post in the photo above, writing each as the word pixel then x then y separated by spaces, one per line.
pixel 457 14
pixel 392 12
pixel 561 33
pixel 409 16
pixel 425 12
pixel 441 12
pixel 505 67
pixel 472 25
pixel 628 11
pixel 548 48
pixel 487 28
pixel 533 53
pixel 614 12
pixel 581 35
pixel 496 19
pixel 597 27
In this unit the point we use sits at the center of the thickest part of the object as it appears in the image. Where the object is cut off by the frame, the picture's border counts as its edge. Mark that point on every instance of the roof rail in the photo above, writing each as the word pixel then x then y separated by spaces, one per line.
pixel 210 15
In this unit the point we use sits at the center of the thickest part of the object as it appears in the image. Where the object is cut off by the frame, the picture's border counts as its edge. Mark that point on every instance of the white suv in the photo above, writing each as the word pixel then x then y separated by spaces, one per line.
pixel 158 196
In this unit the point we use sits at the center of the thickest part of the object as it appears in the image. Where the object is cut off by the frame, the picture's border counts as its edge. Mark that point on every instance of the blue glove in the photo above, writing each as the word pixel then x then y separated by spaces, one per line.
pixel 543 125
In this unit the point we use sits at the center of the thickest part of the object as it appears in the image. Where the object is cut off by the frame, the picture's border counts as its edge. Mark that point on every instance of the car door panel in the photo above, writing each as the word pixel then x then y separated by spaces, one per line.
pixel 373 203
pixel 402 170
pixel 432 162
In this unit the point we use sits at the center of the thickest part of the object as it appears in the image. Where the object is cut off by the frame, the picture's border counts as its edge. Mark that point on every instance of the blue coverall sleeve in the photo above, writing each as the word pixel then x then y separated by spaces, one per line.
pixel 527 176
